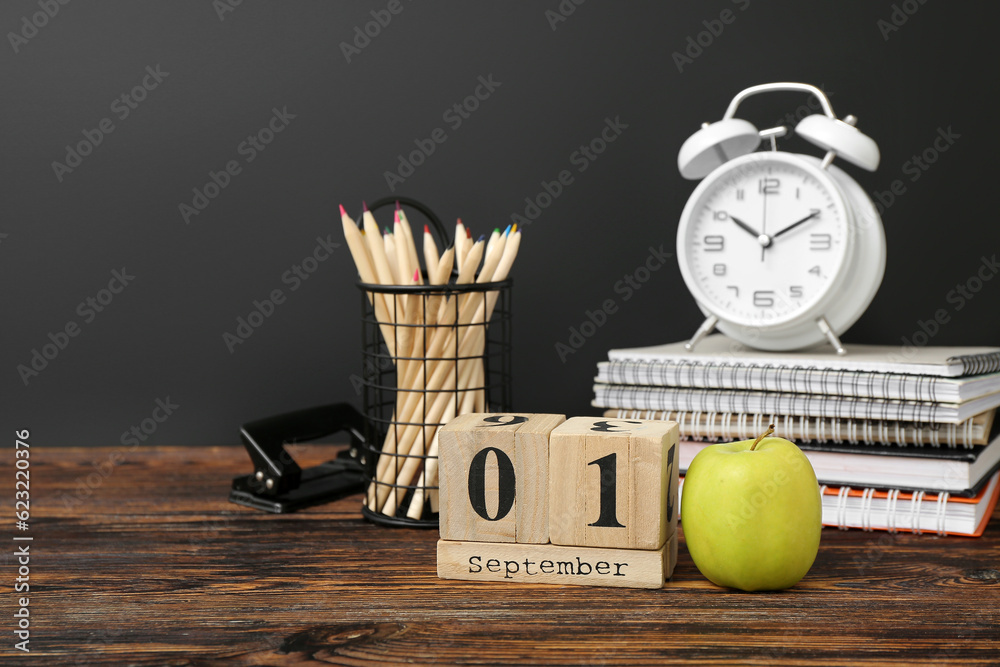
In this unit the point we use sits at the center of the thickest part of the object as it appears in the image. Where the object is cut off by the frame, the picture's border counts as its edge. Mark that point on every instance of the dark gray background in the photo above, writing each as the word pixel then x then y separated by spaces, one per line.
pixel 162 336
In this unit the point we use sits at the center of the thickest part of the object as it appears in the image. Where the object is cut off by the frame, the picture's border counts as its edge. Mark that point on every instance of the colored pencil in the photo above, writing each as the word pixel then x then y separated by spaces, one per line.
pixel 431 257
pixel 411 248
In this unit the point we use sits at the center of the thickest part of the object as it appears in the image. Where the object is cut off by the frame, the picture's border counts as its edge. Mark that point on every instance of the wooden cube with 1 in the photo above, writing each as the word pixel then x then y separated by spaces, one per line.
pixel 613 483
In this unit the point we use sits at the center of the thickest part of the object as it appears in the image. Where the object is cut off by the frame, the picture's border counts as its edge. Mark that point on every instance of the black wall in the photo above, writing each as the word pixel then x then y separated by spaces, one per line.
pixel 909 71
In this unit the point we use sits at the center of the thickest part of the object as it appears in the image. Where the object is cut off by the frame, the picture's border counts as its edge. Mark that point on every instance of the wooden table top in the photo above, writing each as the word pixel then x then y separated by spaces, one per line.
pixel 138 558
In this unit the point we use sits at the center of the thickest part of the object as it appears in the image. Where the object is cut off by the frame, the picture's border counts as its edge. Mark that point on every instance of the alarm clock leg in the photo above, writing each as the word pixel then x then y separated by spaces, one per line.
pixel 706 328
pixel 831 336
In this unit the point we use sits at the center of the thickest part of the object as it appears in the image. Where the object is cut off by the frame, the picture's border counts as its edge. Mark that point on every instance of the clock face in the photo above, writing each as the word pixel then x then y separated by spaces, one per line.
pixel 763 240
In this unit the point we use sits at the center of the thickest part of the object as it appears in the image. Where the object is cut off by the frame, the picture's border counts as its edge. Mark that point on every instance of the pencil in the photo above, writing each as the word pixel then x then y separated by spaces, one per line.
pixel 431 257
pixel 362 261
pixel 377 248
pixel 467 271
pixel 503 268
pixel 410 305
pixel 494 251
pixel 477 308
pixel 411 248
pixel 391 255
pixel 460 242
pixel 494 237
pixel 440 277
pixel 445 265
pixel 416 508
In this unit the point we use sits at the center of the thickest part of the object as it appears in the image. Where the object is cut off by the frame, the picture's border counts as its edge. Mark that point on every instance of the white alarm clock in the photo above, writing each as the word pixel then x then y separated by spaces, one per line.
pixel 780 250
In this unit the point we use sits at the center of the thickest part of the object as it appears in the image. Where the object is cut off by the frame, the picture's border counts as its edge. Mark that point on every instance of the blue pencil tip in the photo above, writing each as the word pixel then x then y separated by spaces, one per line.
pixel 481 238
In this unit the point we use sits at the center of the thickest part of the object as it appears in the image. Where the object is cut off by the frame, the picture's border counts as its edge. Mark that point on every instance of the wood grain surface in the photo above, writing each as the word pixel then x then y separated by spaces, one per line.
pixel 143 561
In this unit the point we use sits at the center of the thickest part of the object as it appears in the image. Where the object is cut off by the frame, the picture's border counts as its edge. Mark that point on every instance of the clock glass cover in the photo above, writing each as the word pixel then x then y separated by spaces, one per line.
pixel 764 239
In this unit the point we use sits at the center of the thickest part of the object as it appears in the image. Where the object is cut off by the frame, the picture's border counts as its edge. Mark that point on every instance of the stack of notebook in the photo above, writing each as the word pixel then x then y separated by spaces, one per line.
pixel 900 438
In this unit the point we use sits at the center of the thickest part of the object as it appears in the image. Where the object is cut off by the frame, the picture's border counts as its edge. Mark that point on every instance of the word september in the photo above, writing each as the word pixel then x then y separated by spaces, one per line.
pixel 511 567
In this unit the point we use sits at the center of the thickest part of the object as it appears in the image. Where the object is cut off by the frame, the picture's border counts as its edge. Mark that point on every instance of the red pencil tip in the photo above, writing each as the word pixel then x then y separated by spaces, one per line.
pixel 427 230
pixel 397 204
pixel 468 232
pixel 395 216
pixel 364 204
pixel 416 275
pixel 342 210
pixel 459 221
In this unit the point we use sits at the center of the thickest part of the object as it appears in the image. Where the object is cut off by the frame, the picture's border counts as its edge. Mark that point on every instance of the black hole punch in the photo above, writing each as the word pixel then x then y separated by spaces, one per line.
pixel 277 483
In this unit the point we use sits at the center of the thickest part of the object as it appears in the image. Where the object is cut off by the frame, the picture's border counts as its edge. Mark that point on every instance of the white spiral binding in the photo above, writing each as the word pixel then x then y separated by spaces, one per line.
pixel 917 498
pixel 698 424
pixel 842 496
pixel 890 510
pixel 866 509
pixel 941 512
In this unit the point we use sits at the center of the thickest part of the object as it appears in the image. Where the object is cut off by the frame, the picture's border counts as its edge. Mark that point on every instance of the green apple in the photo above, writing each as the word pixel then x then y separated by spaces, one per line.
pixel 752 513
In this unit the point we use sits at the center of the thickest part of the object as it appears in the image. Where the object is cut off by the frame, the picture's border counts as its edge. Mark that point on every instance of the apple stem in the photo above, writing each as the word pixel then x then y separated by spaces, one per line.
pixel 769 431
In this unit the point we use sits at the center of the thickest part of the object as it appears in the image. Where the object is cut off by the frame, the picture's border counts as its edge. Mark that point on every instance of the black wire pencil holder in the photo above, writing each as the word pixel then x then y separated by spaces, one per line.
pixel 426 363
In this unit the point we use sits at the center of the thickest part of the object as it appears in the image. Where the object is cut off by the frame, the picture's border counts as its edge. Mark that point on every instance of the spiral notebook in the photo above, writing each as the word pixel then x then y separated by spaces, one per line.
pixel 631 397
pixel 719 351
pixel 797 379
pixel 958 471
pixel 908 511
pixel 741 426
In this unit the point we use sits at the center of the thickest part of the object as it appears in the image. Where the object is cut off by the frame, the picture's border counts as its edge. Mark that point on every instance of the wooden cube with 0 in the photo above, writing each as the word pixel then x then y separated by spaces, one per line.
pixel 494 476
pixel 613 483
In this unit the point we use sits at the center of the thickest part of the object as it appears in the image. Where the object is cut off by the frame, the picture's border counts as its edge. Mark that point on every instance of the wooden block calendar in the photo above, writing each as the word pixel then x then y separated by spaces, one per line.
pixel 539 499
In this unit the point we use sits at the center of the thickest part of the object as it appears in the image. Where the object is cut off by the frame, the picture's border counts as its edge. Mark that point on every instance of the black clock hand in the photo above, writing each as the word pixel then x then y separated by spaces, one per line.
pixel 745 227
pixel 796 224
